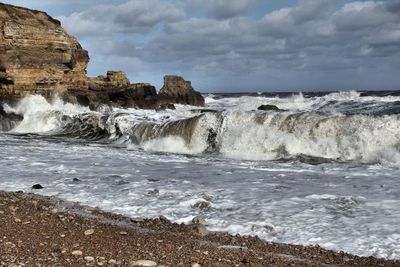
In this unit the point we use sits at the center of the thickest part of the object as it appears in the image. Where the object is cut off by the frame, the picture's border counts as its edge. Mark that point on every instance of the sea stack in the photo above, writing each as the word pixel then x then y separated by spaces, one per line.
pixel 180 91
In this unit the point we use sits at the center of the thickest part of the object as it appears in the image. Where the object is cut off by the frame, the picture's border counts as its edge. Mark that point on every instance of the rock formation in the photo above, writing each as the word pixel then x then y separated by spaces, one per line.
pixel 37 56
pixel 8 120
pixel 115 89
pixel 180 91
pixel 268 107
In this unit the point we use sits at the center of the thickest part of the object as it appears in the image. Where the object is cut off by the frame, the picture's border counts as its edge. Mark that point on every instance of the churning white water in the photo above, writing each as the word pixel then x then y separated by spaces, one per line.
pixel 323 170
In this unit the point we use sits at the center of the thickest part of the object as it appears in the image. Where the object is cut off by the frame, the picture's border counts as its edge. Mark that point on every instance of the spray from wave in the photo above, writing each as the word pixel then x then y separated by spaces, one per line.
pixel 299 131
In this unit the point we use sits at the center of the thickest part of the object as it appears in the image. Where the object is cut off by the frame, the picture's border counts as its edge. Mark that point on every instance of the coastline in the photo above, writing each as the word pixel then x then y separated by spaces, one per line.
pixel 47 231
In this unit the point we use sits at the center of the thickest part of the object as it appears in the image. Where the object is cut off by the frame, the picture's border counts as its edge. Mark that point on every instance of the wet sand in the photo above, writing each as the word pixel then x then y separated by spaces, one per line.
pixel 47 231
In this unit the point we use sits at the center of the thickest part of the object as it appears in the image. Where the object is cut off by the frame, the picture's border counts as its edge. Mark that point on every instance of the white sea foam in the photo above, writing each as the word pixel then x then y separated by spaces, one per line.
pixel 41 116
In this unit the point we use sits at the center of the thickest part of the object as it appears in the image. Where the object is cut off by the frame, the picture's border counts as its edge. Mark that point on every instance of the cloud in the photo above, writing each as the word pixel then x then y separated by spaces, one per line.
pixel 221 44
pixel 224 9
pixel 135 16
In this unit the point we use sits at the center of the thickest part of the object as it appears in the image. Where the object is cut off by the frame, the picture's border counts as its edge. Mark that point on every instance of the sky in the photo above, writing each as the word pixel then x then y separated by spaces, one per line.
pixel 239 45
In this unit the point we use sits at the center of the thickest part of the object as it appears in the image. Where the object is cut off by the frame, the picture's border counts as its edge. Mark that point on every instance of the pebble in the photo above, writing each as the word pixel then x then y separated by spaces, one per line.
pixel 89 232
pixel 195 265
pixel 199 220
pixel 163 218
pixel 89 258
pixel 54 211
pixel 112 261
pixel 123 233
pixel 147 263
pixel 77 253
pixel 17 220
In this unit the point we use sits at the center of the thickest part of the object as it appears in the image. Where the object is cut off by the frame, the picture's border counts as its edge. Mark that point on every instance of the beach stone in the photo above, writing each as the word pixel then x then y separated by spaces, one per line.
pixel 37 186
pixel 89 259
pixel 54 211
pixel 77 253
pixel 89 232
pixel 147 263
pixel 195 265
pixel 112 261
pixel 163 218
pixel 201 230
pixel 137 220
pixel 199 220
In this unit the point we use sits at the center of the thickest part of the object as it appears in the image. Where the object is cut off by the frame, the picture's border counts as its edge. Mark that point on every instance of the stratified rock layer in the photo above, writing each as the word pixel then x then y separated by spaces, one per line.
pixel 37 55
pixel 180 91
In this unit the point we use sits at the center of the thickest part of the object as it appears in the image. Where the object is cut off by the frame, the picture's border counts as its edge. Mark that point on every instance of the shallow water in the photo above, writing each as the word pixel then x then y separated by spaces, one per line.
pixel 343 202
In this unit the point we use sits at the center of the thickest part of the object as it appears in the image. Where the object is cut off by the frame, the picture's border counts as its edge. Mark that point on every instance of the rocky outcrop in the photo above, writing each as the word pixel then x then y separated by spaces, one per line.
pixel 37 55
pixel 8 120
pixel 115 89
pixel 268 107
pixel 179 91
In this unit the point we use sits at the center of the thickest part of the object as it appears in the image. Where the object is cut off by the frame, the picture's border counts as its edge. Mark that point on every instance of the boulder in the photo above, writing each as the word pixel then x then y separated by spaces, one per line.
pixel 268 107
pixel 179 91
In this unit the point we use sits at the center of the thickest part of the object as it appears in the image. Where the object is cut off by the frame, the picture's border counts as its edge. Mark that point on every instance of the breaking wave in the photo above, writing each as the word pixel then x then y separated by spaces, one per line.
pixel 302 130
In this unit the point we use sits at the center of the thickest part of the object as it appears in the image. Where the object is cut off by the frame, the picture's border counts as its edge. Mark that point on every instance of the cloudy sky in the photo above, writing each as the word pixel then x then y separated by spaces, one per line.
pixel 239 45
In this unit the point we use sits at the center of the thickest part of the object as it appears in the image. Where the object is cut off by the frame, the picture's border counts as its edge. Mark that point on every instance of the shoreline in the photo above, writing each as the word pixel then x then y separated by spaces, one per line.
pixel 48 231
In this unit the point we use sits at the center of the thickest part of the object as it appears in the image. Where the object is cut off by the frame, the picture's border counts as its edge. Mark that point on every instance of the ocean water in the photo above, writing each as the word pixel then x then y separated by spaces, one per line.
pixel 324 170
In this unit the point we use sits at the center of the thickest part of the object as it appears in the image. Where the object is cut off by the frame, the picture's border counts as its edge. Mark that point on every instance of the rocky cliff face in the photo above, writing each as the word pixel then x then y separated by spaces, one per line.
pixel 180 91
pixel 37 55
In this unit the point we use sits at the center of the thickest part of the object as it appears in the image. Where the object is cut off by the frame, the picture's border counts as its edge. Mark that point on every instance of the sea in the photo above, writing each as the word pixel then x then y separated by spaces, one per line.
pixel 323 170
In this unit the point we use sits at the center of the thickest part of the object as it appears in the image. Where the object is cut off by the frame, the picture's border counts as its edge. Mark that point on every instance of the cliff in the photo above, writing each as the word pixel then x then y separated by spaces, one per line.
pixel 37 56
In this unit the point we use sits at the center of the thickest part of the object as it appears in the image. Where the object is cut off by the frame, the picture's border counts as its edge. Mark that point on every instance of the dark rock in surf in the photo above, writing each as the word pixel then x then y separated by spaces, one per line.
pixel 37 186
pixel 177 90
pixel 202 205
pixel 268 107
pixel 8 121
pixel 166 106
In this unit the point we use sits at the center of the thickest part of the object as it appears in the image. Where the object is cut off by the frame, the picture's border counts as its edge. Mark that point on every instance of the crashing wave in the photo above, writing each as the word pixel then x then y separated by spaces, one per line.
pixel 240 134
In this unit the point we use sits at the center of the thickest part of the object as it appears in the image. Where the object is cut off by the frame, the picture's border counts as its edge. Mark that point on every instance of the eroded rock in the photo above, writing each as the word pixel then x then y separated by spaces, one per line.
pixel 37 56
pixel 179 91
